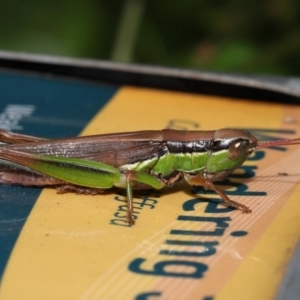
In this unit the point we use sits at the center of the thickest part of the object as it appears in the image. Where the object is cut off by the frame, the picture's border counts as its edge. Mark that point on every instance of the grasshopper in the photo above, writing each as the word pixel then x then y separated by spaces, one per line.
pixel 130 160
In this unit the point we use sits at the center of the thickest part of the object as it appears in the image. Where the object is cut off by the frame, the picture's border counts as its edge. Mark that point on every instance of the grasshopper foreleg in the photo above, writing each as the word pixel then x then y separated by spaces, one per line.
pixel 198 180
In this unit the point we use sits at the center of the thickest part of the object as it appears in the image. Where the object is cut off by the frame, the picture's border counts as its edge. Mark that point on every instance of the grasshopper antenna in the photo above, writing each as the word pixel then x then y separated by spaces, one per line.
pixel 278 143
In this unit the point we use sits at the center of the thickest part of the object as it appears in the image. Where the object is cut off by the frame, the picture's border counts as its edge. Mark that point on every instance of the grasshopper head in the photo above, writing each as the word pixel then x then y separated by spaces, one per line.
pixel 230 148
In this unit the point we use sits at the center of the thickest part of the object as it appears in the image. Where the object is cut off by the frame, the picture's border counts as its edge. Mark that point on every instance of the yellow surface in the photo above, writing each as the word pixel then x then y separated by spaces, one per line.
pixel 69 250
pixel 261 272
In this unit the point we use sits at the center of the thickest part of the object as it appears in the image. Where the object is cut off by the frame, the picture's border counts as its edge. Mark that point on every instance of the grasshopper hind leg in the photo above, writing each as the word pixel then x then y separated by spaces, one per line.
pixel 17 138
pixel 26 178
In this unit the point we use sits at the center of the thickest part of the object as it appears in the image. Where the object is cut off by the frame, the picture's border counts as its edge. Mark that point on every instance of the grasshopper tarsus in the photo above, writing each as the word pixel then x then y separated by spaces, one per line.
pixel 244 209
pixel 130 219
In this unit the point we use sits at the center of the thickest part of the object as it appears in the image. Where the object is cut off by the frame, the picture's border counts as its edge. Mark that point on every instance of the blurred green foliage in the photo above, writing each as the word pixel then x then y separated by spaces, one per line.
pixel 234 36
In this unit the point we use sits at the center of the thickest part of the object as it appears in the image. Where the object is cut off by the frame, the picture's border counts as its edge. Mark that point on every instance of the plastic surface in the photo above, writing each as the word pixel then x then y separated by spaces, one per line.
pixel 184 245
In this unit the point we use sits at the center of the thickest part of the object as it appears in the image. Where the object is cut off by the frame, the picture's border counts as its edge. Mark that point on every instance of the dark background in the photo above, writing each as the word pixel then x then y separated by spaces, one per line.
pixel 232 36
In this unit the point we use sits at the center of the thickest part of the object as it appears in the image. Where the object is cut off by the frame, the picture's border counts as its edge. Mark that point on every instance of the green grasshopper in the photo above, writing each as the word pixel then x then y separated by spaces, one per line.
pixel 130 160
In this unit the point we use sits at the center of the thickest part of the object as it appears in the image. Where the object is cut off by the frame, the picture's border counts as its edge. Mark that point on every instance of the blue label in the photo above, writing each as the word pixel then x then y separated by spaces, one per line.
pixel 45 107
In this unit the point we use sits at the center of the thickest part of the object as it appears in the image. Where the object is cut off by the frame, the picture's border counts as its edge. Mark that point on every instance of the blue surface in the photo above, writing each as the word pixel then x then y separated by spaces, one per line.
pixel 61 108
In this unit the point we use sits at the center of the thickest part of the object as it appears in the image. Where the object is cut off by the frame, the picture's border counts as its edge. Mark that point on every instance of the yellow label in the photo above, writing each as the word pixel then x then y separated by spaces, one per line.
pixel 182 246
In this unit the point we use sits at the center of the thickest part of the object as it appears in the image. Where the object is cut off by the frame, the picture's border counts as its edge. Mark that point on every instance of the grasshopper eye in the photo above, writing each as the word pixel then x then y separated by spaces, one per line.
pixel 238 148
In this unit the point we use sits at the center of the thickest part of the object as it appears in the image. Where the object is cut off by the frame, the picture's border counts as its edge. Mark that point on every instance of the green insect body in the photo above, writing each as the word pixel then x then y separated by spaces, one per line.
pixel 132 160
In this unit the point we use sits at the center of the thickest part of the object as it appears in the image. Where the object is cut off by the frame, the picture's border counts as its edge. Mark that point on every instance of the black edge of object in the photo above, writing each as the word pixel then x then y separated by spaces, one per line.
pixel 274 89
